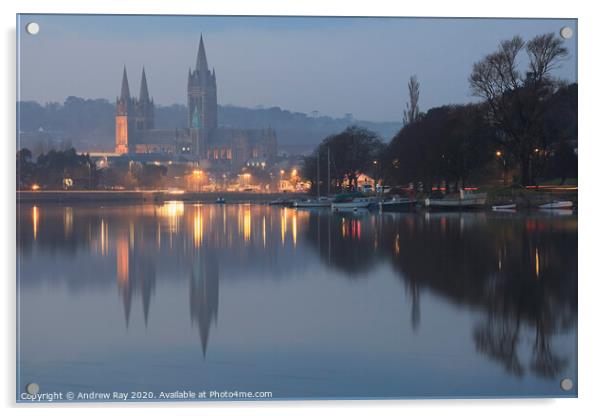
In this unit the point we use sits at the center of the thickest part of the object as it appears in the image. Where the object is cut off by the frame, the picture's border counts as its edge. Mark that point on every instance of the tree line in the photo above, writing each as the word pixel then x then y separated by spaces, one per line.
pixel 524 126
pixel 66 169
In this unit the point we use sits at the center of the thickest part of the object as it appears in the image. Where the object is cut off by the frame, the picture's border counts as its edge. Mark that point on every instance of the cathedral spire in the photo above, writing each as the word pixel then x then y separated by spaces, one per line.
pixel 125 87
pixel 144 97
pixel 201 58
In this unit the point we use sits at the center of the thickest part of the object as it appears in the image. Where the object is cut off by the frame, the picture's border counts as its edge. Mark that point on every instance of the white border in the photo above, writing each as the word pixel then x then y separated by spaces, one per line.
pixel 590 152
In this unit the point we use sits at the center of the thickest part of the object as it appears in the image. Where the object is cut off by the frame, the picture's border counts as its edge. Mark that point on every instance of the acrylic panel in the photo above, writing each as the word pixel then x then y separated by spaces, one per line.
pixel 277 208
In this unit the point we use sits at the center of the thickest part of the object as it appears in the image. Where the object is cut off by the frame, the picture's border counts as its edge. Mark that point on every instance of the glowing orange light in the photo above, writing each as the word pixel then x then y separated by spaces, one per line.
pixel 35 187
pixel 498 153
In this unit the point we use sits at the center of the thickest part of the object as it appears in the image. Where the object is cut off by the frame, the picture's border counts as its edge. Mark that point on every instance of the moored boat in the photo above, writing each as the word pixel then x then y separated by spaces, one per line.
pixel 557 205
pixel 352 201
pixel 282 202
pixel 322 202
pixel 464 200
pixel 505 207
pixel 397 204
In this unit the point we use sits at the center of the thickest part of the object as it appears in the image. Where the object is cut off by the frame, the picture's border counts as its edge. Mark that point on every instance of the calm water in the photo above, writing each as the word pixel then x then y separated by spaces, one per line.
pixel 304 304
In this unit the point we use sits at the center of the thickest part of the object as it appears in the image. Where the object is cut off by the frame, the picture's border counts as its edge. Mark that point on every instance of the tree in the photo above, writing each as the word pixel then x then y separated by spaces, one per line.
pixel 449 143
pixel 150 176
pixel 412 112
pixel 55 166
pixel 352 152
pixel 515 98
pixel 25 169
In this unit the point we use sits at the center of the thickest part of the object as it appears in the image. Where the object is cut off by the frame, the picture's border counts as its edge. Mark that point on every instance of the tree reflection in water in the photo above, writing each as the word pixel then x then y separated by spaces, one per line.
pixel 520 270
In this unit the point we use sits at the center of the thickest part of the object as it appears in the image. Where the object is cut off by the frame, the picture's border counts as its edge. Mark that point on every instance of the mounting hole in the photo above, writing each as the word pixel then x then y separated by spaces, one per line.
pixel 32 388
pixel 566 32
pixel 32 28
pixel 566 384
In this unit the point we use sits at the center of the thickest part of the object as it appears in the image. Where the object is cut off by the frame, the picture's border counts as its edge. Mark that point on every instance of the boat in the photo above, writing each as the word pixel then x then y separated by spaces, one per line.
pixel 282 202
pixel 557 205
pixel 506 207
pixel 398 204
pixel 351 211
pixel 464 200
pixel 354 200
pixel 322 202
pixel 220 200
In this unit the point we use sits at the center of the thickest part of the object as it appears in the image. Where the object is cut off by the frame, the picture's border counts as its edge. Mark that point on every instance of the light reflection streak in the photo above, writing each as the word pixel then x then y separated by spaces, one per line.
pixel 122 252
pixel 263 232
pixel 536 263
pixel 294 228
pixel 104 237
pixel 198 227
pixel 247 223
pixel 35 217
pixel 172 211
pixel 68 221
pixel 283 214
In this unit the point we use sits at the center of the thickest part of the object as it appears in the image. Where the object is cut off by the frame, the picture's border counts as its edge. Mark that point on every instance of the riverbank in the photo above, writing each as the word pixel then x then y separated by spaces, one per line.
pixel 523 198
pixel 146 196
pixel 532 197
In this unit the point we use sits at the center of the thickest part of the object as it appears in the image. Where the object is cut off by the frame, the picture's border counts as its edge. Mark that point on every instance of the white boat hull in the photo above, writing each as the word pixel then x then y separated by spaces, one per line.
pixel 350 205
pixel 472 202
pixel 557 205
pixel 506 207
pixel 398 205
pixel 312 204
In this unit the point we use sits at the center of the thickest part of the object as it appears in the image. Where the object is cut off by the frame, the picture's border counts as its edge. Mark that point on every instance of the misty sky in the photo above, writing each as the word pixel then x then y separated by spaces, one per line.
pixel 331 65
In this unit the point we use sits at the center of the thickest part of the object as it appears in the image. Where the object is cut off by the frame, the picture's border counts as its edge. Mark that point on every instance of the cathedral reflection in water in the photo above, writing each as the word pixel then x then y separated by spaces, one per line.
pixel 517 272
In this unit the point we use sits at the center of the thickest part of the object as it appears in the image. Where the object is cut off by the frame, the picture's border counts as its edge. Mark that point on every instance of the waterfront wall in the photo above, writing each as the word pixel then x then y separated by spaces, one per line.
pixel 145 196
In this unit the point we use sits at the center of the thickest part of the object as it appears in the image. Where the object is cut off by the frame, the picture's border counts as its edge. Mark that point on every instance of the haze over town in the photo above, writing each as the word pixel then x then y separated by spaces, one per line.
pixel 332 66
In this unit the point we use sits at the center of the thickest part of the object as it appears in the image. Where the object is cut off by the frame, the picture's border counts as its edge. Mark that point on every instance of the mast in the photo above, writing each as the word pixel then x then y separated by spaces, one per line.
pixel 328 185
pixel 318 178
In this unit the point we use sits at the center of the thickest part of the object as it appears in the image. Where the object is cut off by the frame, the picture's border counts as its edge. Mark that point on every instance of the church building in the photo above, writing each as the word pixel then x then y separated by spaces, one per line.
pixel 202 139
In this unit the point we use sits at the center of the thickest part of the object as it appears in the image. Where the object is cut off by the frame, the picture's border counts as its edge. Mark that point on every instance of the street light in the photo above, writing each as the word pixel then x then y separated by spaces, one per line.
pixel 500 155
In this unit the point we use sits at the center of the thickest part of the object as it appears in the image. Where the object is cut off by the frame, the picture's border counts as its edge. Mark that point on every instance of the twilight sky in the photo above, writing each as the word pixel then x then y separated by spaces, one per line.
pixel 331 65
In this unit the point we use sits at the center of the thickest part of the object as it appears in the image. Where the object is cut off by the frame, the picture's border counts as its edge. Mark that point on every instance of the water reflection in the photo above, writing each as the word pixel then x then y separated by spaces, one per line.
pixel 518 273
pixel 521 271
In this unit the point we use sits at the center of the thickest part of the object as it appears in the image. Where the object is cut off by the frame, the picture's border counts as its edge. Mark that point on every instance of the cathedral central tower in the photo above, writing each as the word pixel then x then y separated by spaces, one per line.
pixel 202 102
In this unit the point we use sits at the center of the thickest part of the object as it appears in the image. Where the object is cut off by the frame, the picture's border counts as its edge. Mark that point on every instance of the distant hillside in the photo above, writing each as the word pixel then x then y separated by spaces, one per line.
pixel 89 124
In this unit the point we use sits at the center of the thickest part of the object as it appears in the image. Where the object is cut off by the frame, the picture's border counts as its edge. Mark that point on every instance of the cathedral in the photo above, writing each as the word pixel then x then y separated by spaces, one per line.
pixel 202 139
